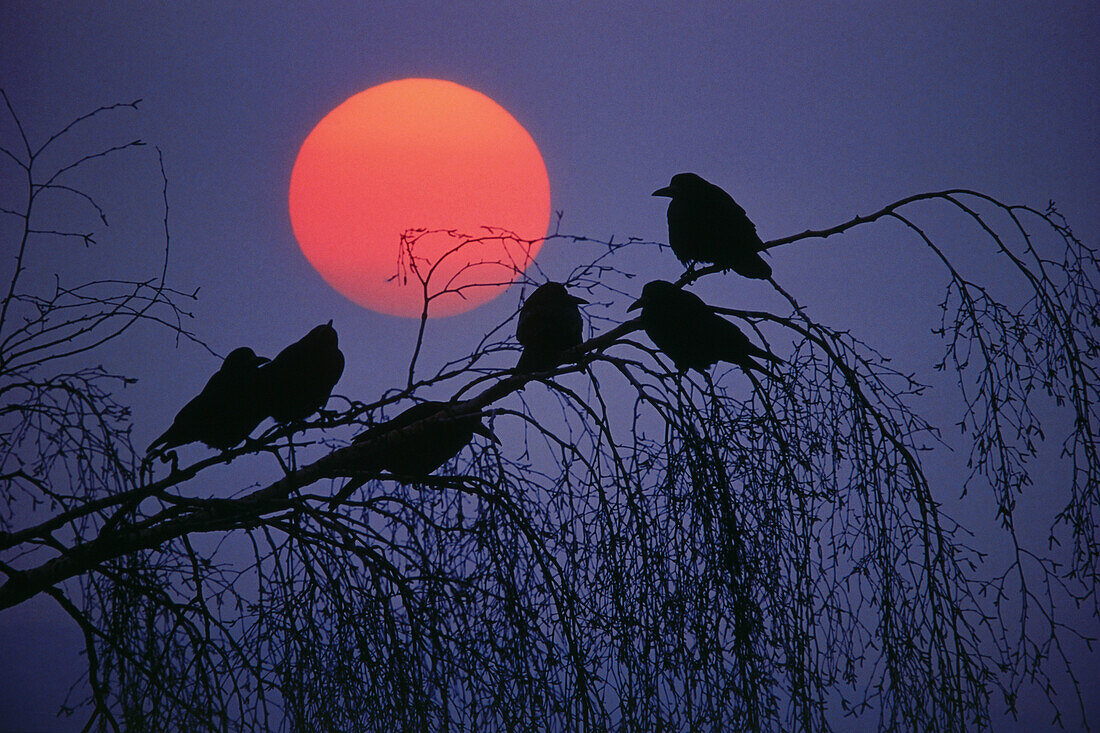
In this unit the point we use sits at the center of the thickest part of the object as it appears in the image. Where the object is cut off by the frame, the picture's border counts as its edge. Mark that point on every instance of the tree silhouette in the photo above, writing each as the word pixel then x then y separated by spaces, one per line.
pixel 644 549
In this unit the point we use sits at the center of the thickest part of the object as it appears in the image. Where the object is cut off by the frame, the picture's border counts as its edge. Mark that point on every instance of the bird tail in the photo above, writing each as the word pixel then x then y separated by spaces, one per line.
pixel 764 354
pixel 749 363
pixel 756 269
pixel 159 445
pixel 535 360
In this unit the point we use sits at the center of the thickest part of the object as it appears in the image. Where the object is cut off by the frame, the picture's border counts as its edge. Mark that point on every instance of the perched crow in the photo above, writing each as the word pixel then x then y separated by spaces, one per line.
pixel 693 335
pixel 705 224
pixel 404 448
pixel 549 324
pixel 299 380
pixel 227 409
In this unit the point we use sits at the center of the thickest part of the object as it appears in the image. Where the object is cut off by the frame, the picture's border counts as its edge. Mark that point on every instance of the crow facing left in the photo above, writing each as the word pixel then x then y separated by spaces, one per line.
pixel 705 224
pixel 692 334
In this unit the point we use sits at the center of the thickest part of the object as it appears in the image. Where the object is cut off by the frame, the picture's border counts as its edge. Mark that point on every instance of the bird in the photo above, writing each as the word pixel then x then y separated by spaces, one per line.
pixel 692 334
pixel 299 380
pixel 549 324
pixel 705 224
pixel 227 409
pixel 414 444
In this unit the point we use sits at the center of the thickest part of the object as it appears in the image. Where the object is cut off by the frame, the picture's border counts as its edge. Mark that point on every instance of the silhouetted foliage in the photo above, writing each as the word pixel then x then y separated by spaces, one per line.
pixel 643 549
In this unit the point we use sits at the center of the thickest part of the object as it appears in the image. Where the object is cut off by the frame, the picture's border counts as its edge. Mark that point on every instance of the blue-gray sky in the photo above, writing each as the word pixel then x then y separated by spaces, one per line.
pixel 807 113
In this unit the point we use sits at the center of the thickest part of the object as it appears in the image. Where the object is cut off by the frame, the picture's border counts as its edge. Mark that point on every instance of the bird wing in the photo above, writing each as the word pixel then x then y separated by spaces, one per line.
pixel 736 225
pixel 723 203
pixel 532 321
pixel 334 368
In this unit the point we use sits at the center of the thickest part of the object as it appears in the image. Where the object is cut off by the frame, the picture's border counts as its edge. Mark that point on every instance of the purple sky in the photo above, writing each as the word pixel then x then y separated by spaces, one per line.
pixel 808 114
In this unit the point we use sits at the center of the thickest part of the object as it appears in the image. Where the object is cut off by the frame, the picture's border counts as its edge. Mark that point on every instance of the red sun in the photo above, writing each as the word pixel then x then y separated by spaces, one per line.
pixel 419 154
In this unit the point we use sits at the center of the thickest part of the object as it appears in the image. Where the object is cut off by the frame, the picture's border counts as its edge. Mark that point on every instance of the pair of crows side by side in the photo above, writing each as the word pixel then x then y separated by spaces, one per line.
pixel 249 388
pixel 705 225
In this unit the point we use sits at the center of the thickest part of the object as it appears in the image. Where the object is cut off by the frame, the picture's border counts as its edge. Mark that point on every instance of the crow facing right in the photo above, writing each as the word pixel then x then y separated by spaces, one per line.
pixel 402 447
pixel 692 334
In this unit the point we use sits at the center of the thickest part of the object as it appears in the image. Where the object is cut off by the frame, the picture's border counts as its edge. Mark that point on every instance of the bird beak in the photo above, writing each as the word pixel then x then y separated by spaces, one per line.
pixel 666 191
pixel 578 301
pixel 329 322
pixel 635 305
pixel 483 429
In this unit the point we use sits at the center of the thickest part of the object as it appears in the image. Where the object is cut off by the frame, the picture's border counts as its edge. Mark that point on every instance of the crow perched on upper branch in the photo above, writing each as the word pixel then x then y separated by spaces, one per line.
pixel 705 224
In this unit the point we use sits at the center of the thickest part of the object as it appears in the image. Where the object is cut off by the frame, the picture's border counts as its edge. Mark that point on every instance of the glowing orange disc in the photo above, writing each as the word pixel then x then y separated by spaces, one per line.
pixel 418 154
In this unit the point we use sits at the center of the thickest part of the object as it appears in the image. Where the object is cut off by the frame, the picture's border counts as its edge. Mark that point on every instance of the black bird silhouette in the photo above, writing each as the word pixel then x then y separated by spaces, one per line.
pixel 549 324
pixel 405 448
pixel 692 334
pixel 300 378
pixel 227 409
pixel 705 224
